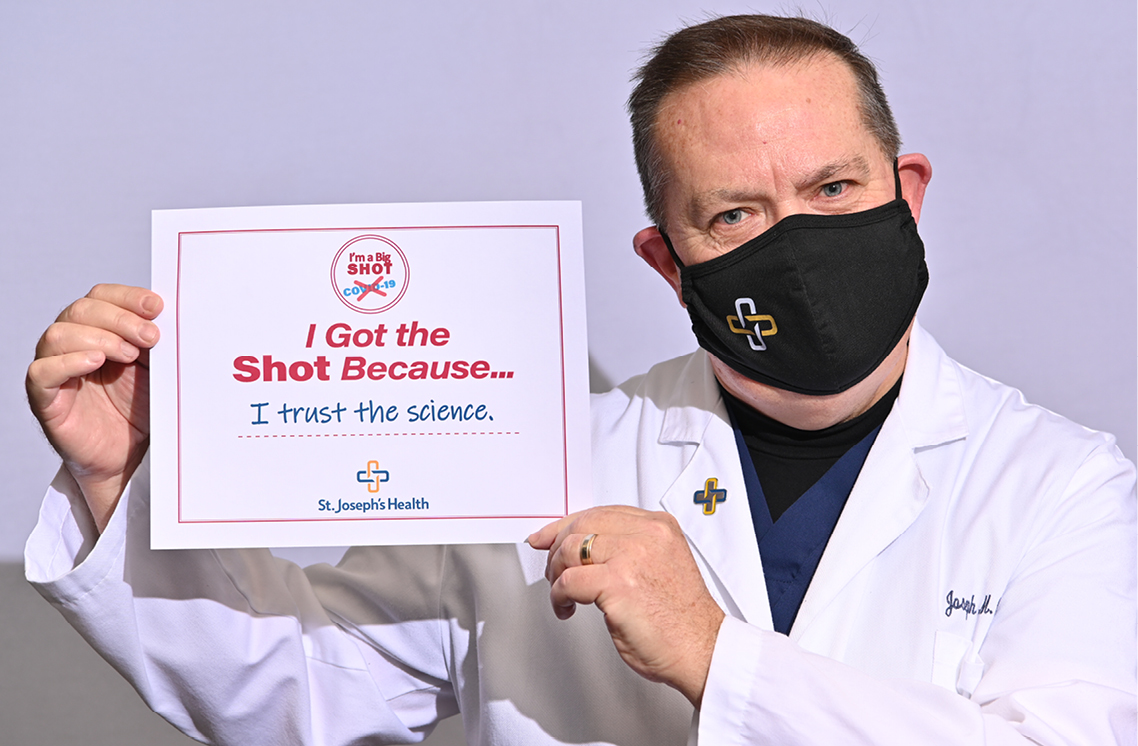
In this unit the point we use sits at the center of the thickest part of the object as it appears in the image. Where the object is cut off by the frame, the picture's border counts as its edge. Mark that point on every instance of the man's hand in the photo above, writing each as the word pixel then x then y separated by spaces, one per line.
pixel 643 577
pixel 89 387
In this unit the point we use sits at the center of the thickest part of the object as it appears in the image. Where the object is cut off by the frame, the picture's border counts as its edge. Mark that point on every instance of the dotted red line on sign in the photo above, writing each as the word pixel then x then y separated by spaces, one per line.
pixel 380 434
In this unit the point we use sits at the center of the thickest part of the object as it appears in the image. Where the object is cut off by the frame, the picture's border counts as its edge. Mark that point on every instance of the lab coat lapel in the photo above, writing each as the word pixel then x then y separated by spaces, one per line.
pixel 725 538
pixel 891 490
pixel 887 497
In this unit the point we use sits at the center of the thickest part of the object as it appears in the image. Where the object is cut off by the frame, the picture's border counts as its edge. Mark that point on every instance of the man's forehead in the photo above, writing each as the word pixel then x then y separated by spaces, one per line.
pixel 767 110
pixel 821 73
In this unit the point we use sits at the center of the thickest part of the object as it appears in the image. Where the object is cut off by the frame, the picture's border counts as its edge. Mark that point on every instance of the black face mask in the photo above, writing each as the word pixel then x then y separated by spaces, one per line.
pixel 815 303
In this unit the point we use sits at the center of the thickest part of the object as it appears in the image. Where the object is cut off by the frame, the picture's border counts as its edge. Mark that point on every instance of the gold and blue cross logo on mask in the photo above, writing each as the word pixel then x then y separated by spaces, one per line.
pixel 710 496
pixel 739 323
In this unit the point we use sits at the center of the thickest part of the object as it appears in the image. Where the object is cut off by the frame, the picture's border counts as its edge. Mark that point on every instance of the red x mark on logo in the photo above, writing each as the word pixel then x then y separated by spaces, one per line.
pixel 372 288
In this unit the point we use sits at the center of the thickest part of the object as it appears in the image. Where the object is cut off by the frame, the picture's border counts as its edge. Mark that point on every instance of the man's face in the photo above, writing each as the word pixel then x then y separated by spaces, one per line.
pixel 746 149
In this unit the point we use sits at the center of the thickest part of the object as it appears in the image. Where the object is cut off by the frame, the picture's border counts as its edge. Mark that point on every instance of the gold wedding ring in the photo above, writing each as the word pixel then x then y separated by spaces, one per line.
pixel 587 549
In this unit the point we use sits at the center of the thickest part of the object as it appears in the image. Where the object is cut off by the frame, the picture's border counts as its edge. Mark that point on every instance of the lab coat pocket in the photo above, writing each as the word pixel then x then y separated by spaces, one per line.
pixel 956 666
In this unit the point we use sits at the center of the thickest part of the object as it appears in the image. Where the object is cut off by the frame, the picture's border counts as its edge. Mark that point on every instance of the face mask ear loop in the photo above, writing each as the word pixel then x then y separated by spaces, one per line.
pixel 671 249
pixel 896 179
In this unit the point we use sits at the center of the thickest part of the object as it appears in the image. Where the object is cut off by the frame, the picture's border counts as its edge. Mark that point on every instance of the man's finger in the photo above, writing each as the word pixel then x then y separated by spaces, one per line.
pixel 544 537
pixel 47 374
pixel 62 338
pixel 605 519
pixel 100 314
pixel 143 302
pixel 568 554
pixel 609 521
pixel 578 585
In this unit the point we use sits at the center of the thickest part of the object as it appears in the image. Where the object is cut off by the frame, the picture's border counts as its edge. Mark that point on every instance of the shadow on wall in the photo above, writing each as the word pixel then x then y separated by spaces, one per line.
pixel 599 382
pixel 54 689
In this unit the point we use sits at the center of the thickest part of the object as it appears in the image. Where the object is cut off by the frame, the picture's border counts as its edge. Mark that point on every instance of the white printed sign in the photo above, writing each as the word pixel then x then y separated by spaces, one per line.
pixel 367 374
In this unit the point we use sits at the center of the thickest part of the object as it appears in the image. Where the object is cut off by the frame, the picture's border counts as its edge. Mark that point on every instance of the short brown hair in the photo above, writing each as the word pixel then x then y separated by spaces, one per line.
pixel 696 53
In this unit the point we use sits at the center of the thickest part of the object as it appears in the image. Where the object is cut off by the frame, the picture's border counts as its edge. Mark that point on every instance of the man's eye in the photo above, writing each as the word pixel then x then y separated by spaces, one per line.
pixel 731 217
pixel 833 189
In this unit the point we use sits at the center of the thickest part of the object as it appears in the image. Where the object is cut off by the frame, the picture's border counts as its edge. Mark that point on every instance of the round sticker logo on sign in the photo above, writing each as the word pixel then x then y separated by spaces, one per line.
pixel 370 274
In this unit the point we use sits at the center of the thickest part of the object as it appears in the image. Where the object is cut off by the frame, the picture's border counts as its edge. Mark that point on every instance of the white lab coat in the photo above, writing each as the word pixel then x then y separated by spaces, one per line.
pixel 1028 520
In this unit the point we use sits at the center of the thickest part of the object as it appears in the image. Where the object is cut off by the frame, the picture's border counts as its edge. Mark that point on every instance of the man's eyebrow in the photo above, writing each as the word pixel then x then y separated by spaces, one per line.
pixel 702 203
pixel 855 166
pixel 705 202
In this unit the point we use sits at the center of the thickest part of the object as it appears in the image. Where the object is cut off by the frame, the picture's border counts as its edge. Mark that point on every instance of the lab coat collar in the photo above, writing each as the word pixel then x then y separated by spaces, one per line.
pixel 889 494
pixel 693 402
pixel 930 405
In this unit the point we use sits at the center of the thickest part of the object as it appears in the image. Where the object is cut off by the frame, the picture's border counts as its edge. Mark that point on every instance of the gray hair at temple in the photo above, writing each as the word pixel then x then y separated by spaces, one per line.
pixel 721 45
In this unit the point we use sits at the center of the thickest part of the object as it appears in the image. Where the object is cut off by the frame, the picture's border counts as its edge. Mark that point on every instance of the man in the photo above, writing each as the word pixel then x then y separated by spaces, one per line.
pixel 819 529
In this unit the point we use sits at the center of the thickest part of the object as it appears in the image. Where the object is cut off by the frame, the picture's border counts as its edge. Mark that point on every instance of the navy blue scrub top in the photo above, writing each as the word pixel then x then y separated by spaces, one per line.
pixel 792 546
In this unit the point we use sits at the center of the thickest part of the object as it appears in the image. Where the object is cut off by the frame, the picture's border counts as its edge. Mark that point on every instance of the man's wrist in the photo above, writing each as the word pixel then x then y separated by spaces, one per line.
pixel 694 680
pixel 101 495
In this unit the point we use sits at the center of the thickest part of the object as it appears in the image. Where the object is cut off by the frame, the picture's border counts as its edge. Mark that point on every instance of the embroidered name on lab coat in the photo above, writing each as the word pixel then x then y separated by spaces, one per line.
pixel 968 605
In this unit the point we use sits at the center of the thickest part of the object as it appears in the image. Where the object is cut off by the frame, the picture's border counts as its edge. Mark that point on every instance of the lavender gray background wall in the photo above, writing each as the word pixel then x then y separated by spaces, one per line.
pixel 111 109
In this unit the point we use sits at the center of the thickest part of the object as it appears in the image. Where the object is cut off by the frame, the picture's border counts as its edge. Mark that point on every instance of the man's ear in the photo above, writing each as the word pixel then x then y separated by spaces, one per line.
pixel 650 247
pixel 916 172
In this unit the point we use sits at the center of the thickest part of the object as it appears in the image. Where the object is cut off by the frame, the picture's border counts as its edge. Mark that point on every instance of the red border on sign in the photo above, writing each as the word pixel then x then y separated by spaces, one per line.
pixel 561 352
